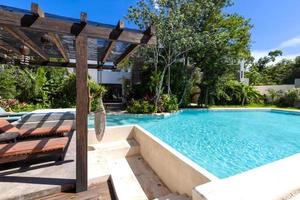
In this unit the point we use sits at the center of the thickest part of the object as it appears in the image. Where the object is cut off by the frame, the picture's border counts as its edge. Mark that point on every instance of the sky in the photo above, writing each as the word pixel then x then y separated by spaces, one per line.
pixel 276 23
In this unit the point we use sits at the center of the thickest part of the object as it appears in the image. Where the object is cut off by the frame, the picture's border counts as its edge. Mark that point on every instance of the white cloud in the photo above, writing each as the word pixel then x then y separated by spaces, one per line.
pixel 285 46
pixel 293 42
pixel 259 54
pixel 156 6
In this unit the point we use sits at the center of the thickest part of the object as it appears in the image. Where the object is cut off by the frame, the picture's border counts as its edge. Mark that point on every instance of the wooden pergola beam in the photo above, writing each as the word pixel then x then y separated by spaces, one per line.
pixel 8 48
pixel 38 12
pixel 81 109
pixel 58 26
pixel 22 37
pixel 56 64
pixel 56 40
pixel 115 34
pixel 148 35
pixel 127 53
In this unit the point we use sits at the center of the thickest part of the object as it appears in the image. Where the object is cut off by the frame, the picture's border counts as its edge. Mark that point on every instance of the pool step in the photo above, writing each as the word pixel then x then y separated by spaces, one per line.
pixel 133 179
pixel 174 196
pixel 126 185
pixel 119 149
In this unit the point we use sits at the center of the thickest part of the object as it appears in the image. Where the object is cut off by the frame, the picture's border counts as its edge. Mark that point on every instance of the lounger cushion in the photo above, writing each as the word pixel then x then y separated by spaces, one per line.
pixel 8 136
pixel 5 126
pixel 7 131
pixel 45 131
pixel 33 147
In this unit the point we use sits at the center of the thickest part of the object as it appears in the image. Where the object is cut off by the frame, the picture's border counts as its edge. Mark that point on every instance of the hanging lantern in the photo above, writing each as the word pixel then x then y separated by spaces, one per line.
pixel 45 39
pixel 24 50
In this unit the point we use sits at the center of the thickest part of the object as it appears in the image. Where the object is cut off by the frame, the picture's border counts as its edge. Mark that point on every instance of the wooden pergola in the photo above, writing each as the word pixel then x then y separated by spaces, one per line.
pixel 37 38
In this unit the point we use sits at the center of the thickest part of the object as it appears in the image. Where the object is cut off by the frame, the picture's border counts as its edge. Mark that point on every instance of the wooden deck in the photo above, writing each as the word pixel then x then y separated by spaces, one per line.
pixel 98 192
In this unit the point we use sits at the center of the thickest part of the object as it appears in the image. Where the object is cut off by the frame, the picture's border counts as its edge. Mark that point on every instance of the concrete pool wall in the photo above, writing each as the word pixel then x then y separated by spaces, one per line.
pixel 176 171
pixel 179 173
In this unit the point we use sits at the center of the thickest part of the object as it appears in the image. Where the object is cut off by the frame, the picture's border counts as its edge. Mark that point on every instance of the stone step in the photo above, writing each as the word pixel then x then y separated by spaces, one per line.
pixel 173 196
pixel 125 183
pixel 119 149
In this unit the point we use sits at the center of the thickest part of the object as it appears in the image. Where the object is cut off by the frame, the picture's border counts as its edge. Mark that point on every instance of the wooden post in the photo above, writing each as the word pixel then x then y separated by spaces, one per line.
pixel 81 113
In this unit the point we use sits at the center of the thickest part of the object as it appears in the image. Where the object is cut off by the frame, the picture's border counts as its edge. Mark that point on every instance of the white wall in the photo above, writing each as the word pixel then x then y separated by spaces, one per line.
pixel 297 82
pixel 109 77
pixel 263 89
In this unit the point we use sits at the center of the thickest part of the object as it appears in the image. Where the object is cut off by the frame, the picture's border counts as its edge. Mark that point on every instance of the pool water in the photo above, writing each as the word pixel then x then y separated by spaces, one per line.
pixel 225 142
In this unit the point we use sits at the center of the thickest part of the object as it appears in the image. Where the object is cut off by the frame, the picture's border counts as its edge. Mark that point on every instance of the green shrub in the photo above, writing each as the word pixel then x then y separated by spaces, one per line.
pixel 13 105
pixel 288 98
pixel 140 107
pixel 169 103
pixel 273 95
pixel 233 92
pixel 96 91
pixel 24 107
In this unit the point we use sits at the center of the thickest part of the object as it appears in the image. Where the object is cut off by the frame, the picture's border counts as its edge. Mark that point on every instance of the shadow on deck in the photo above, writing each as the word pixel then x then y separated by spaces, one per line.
pixel 39 177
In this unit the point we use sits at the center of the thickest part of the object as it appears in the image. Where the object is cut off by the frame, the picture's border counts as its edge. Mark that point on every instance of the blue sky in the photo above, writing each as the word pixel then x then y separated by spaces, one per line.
pixel 276 22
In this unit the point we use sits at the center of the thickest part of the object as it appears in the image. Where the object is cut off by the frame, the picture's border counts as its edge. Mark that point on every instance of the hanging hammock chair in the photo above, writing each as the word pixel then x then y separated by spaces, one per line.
pixel 100 120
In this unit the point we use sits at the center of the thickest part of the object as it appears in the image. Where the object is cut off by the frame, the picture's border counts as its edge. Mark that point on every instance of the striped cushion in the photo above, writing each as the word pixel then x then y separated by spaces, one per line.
pixel 33 147
pixel 45 131
pixel 5 126
pixel 7 131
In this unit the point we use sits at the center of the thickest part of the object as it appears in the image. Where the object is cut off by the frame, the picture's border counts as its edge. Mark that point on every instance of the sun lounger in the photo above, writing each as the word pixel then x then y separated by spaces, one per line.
pixel 5 126
pixel 23 150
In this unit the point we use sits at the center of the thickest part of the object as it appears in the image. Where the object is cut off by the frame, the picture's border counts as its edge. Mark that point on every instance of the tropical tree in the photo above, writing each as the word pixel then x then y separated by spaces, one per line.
pixel 193 34
pixel 249 93
pixel 282 72
pixel 228 39
pixel 264 61
pixel 174 37
pixel 7 83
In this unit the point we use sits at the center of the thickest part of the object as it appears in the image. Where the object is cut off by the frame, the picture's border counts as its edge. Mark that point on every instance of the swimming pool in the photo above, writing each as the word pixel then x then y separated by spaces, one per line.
pixel 225 142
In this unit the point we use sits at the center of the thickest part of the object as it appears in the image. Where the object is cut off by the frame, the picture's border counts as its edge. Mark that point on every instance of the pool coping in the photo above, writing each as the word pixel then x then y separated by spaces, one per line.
pixel 255 183
pixel 204 109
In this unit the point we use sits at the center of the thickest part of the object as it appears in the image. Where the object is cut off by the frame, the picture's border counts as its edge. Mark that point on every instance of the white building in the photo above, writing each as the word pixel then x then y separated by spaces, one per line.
pixel 113 81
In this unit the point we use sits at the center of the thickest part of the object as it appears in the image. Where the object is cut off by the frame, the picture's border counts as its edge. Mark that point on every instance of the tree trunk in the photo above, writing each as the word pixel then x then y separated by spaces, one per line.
pixel 206 97
pixel 158 89
pixel 186 86
pixel 243 101
pixel 169 80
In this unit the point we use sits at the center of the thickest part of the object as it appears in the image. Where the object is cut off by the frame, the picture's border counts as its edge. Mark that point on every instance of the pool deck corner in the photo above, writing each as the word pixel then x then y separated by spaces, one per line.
pixel 276 181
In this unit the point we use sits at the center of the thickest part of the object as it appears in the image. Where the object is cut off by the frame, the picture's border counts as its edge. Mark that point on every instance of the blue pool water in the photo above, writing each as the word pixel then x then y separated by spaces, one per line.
pixel 225 142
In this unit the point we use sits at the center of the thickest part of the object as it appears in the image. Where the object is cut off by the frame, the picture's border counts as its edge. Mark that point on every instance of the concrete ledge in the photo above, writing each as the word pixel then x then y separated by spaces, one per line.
pixel 112 133
pixel 272 181
pixel 179 173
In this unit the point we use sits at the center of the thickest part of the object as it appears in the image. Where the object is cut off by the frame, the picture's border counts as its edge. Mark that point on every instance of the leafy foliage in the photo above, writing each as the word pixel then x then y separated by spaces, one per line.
pixel 191 35
pixel 288 98
pixel 26 89
pixel 169 103
pixel 8 83
pixel 236 93
pixel 282 72
pixel 140 107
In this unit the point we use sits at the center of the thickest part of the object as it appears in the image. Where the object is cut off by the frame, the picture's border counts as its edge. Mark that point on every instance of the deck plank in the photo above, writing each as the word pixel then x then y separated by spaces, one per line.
pixel 99 191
